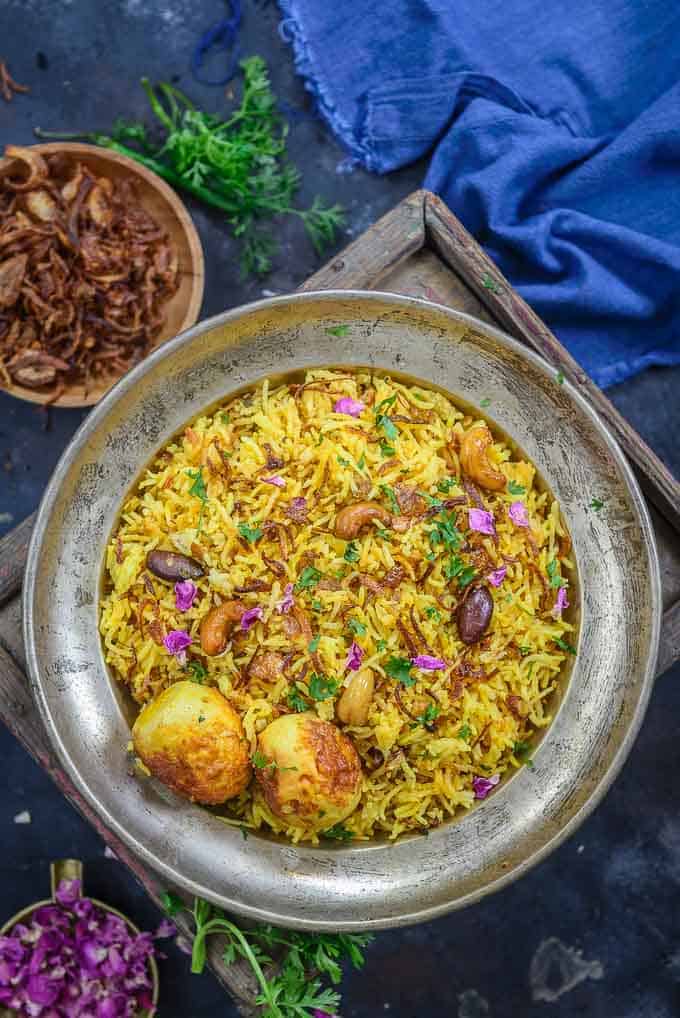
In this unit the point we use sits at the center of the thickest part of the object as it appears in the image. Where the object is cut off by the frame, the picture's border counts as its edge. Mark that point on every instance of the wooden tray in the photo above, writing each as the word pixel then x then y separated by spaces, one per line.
pixel 421 249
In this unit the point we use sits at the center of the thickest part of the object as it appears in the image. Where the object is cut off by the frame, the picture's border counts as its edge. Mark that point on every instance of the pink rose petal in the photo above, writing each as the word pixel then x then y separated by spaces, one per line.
pixel 497 576
pixel 481 521
pixel 287 601
pixel 354 657
pixel 482 786
pixel 276 480
pixel 185 592
pixel 349 406
pixel 561 603
pixel 518 514
pixel 250 617
pixel 427 663
pixel 176 643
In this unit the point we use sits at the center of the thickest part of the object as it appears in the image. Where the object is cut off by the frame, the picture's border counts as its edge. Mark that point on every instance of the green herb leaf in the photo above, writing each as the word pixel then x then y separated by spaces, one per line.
pixel 490 284
pixel 560 377
pixel 250 534
pixel 296 701
pixel 361 463
pixel 337 330
pixel 399 669
pixel 522 750
pixel 386 450
pixel 321 688
pixel 385 404
pixel 524 650
pixel 317 606
pixel 352 553
pixel 171 903
pixel 433 613
pixel 313 645
pixel 553 570
pixel 563 645
pixel 484 403
pixel 464 733
pixel 466 577
pixel 445 532
pixel 380 645
pixel 384 534
pixel 198 671
pixel 388 426
pixel 225 418
pixel 596 504
pixel 446 484
pixel 338 832
pixel 391 498
pixel 199 491
pixel 260 761
pixel 343 462
pixel 358 628
pixel 428 717
pixel 308 578
pixel 201 719
pixel 516 489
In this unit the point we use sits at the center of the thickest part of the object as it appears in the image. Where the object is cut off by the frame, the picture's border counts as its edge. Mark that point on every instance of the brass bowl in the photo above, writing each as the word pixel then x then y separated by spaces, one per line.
pixel 72 869
pixel 166 207
pixel 373 884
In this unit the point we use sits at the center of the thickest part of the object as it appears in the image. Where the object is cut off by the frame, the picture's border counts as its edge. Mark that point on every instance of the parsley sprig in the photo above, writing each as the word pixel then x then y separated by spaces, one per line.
pixel 290 966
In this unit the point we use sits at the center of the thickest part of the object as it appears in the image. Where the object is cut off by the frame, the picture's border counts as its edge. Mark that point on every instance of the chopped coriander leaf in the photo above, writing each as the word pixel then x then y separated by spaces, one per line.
pixel 225 418
pixel 352 553
pixel 464 732
pixel 358 628
pixel 391 498
pixel 385 404
pixel 446 484
pixel 596 504
pixel 429 715
pixel 431 501
pixel 319 440
pixel 343 462
pixel 338 832
pixel 172 904
pixel 317 606
pixel 361 463
pixel 380 645
pixel 313 645
pixel 387 425
pixel 453 567
pixel 198 671
pixel 250 534
pixel 433 613
pixel 563 645
pixel 260 761
pixel 508 599
pixel 490 284
pixel 446 532
pixel 484 403
pixel 308 578
pixel 467 576
pixel 553 570
pixel 560 377
pixel 321 688
pixel 198 488
pixel 522 751
pixel 516 489
pixel 385 534
pixel 524 650
pixel 399 668
pixel 430 556
pixel 337 330
pixel 296 701
pixel 386 449
pixel 201 718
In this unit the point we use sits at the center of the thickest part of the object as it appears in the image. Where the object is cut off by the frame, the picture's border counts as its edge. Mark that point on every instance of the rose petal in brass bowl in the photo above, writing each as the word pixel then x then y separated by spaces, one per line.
pixel 375 884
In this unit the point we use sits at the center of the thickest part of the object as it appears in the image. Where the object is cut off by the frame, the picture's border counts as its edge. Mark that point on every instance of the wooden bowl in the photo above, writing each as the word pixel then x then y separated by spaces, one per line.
pixel 157 198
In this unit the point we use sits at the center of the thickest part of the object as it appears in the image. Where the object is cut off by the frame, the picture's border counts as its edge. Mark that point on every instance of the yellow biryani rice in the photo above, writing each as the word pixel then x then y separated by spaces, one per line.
pixel 430 733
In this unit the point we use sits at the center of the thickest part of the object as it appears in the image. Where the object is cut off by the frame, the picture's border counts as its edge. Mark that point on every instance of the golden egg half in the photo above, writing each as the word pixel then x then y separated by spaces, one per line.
pixel 192 740
pixel 308 772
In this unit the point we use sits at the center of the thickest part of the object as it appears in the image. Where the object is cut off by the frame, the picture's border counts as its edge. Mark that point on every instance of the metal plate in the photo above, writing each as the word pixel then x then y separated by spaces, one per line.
pixel 378 884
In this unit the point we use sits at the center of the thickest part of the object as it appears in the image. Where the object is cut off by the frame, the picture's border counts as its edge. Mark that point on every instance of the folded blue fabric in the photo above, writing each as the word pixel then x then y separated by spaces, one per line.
pixel 555 136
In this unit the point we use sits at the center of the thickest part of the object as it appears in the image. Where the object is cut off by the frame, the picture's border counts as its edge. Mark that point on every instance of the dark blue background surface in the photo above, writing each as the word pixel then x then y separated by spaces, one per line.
pixel 613 890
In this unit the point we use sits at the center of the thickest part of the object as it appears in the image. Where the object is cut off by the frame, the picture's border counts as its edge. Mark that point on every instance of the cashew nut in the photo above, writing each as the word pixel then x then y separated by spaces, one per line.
pixel 352 707
pixel 352 518
pixel 218 625
pixel 475 462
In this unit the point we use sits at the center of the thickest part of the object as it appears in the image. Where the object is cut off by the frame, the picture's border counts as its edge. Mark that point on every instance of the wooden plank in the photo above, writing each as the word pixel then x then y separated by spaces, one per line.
pixel 13 551
pixel 19 713
pixel 450 239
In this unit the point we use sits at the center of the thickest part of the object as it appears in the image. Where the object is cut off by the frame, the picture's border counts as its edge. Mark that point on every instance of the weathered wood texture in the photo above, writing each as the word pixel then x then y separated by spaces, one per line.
pixel 420 249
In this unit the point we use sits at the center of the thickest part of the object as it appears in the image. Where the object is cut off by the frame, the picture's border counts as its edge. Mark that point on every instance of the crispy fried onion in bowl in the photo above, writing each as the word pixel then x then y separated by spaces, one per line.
pixel 84 273
pixel 341 607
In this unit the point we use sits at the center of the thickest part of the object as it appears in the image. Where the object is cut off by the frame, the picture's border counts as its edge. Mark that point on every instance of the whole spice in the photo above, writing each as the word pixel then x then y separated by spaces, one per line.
pixel 474 614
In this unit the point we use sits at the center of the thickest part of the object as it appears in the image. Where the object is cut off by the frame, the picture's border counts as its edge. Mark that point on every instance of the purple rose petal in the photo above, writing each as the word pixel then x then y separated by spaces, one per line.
pixel 166 928
pixel 185 592
pixel 354 657
pixel 176 643
pixel 250 617
pixel 481 521
pixel 427 663
pixel 347 405
pixel 482 786
pixel 518 514
pixel 276 480
pixel 561 603
pixel 497 576
pixel 287 601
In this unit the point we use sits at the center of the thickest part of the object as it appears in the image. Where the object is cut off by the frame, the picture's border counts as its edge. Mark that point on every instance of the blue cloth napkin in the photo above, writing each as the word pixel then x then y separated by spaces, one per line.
pixel 554 130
